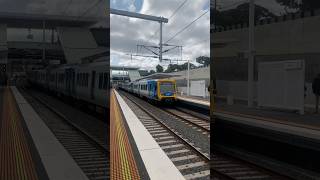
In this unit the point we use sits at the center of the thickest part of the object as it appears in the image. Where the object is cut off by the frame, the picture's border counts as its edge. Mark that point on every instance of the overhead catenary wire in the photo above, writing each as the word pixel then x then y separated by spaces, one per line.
pixel 172 15
pixel 187 26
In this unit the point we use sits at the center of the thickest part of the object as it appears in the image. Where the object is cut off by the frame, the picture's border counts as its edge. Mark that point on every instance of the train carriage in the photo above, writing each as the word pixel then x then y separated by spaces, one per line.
pixel 163 90
pixel 85 82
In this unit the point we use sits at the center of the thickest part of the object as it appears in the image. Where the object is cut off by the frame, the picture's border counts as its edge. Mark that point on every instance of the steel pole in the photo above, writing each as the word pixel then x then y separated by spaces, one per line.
pixel 188 79
pixel 251 54
pixel 160 45
pixel 43 40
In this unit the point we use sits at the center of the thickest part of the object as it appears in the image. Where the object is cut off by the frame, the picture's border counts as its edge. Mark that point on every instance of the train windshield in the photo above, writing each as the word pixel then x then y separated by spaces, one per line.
pixel 166 87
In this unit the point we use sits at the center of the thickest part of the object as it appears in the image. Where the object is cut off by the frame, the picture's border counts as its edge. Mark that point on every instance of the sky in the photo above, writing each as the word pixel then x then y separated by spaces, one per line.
pixel 126 33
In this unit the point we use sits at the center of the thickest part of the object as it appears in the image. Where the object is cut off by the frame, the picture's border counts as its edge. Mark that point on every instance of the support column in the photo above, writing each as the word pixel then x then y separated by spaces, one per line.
pixel 251 54
pixel 4 69
pixel 160 45
pixel 43 40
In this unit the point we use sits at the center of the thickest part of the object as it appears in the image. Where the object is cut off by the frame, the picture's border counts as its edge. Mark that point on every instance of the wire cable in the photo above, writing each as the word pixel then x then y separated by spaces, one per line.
pixel 173 14
pixel 183 29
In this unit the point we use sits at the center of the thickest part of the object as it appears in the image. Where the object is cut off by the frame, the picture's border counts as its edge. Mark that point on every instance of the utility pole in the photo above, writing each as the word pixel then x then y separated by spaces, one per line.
pixel 251 53
pixel 188 79
pixel 160 45
pixel 145 17
pixel 43 41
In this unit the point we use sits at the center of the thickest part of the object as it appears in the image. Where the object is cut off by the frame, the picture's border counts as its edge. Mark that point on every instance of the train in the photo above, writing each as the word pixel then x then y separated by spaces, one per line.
pixel 157 90
pixel 83 82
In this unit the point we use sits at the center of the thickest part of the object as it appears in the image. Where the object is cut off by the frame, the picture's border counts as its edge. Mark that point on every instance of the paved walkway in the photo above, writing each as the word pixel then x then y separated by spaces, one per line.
pixel 16 162
pixel 123 165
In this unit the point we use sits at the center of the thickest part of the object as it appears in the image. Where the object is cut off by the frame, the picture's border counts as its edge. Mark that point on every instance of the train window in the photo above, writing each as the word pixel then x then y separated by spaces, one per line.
pixel 80 79
pixel 83 79
pixel 77 79
pixel 105 81
pixel 100 80
pixel 87 79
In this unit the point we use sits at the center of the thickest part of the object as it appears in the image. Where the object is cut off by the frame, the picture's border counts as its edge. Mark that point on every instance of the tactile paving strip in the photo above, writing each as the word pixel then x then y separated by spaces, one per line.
pixel 15 157
pixel 122 165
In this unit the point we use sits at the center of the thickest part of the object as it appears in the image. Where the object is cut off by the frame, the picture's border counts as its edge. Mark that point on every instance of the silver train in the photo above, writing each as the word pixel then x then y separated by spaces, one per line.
pixel 161 90
pixel 84 82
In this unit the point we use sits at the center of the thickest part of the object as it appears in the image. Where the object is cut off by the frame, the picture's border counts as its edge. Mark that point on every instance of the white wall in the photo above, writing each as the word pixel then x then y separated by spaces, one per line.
pixel 238 89
pixel 286 37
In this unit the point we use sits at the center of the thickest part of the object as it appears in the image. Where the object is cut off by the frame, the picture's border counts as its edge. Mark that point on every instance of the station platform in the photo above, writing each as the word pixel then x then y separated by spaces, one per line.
pixel 29 150
pixel 17 159
pixel 308 120
pixel 283 140
pixel 134 153
pixel 194 101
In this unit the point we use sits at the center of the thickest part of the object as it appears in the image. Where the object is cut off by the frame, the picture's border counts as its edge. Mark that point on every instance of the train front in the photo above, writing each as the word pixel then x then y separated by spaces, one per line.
pixel 167 91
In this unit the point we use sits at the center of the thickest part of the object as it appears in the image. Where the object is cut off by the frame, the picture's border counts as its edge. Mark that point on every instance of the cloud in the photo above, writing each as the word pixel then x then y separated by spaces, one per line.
pixel 126 33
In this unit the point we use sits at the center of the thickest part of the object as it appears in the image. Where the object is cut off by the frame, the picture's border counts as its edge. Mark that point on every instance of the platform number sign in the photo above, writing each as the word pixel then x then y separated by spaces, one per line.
pixel 3 68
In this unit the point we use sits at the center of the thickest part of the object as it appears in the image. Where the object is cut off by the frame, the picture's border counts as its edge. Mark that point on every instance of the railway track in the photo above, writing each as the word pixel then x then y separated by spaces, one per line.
pixel 221 165
pixel 89 152
pixel 192 163
pixel 226 167
pixel 191 119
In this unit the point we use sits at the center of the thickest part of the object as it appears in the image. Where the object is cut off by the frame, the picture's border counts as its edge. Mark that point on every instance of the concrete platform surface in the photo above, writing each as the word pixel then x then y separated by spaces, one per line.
pixel 201 102
pixel 308 120
pixel 18 158
pixel 57 162
pixel 157 163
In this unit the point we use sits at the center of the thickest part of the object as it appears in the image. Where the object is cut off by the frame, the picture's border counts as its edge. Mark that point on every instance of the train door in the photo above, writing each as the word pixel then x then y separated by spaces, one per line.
pixel 67 81
pixel 73 78
pixel 149 89
pixel 70 81
pixel 93 79
pixel 56 81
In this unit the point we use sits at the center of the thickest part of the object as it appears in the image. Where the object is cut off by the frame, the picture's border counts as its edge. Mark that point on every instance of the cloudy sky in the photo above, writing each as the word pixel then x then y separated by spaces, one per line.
pixel 126 33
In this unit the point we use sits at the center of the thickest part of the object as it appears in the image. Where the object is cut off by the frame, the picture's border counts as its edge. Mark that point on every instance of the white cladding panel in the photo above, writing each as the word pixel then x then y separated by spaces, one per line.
pixel 198 88
pixel 78 43
pixel 281 85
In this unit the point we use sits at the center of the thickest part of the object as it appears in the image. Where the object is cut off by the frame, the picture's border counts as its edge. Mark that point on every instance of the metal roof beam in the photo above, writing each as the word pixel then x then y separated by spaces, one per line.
pixel 139 16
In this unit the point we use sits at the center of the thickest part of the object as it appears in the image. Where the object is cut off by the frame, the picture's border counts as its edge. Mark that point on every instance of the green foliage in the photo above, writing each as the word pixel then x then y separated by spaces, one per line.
pixel 152 72
pixel 176 67
pixel 303 5
pixel 159 68
pixel 240 14
pixel 204 60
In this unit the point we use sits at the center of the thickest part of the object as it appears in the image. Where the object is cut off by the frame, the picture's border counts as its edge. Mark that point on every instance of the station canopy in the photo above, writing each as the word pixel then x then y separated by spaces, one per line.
pixel 23 20
pixel 158 76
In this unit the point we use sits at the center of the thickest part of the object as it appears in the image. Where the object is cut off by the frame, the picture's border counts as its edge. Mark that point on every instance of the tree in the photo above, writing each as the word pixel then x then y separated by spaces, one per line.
pixel 204 60
pixel 159 68
pixel 152 72
pixel 176 67
pixel 303 5
pixel 240 15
